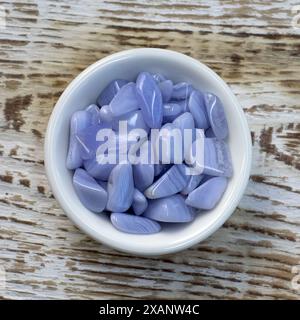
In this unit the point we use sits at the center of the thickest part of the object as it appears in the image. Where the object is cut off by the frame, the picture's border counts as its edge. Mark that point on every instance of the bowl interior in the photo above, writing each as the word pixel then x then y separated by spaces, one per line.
pixel 84 91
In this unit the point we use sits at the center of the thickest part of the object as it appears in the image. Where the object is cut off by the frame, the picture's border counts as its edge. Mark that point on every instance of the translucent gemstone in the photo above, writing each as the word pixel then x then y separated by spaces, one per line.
pixel 183 104
pixel 87 141
pixel 150 100
pixel 184 121
pixel 197 108
pixel 98 170
pixel 208 194
pixel 94 110
pixel 216 115
pixel 158 77
pixel 106 115
pixel 120 188
pixel 90 193
pixel 170 209
pixel 209 133
pixel 126 100
pixel 139 203
pixel 134 120
pixel 216 160
pixel 143 175
pixel 166 89
pixel 160 169
pixel 130 223
pixel 79 122
pixel 171 111
pixel 110 91
pixel 181 91
pixel 173 181
pixel 193 183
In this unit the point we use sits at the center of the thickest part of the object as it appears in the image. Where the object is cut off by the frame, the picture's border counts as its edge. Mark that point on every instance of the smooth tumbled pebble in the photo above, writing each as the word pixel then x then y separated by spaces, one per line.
pixel 90 193
pixel 150 100
pixel 166 89
pixel 158 77
pixel 94 110
pixel 216 160
pixel 110 91
pixel 143 175
pixel 171 111
pixel 171 209
pixel 80 120
pixel 216 115
pixel 208 194
pixel 197 108
pixel 134 120
pixel 171 182
pixel 98 170
pixel 139 203
pixel 134 224
pixel 181 91
pixel 120 188
pixel 192 184
pixel 126 100
pixel 209 133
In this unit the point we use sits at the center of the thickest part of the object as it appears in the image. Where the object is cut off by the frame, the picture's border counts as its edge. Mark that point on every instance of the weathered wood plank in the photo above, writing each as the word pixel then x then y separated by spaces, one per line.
pixel 252 45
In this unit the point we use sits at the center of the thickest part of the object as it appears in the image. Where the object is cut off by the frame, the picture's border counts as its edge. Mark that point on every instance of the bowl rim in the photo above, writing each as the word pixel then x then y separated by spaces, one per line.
pixel 118 245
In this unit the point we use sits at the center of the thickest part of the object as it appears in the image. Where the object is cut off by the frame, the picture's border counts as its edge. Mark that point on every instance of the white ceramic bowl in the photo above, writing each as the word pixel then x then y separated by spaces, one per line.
pixel 85 88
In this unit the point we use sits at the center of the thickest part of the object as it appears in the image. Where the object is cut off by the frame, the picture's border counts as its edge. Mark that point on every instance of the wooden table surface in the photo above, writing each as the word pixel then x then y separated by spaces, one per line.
pixel 253 46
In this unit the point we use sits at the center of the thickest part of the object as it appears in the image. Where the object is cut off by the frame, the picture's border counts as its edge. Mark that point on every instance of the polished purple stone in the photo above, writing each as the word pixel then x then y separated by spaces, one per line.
pixel 173 181
pixel 134 120
pixel 183 104
pixel 193 183
pixel 150 100
pixel 126 100
pixel 158 77
pixel 120 188
pixel 139 203
pixel 184 121
pixel 209 133
pixel 110 91
pixel 98 170
pixel 217 159
pixel 160 169
pixel 197 108
pixel 169 209
pixel 94 110
pixel 143 175
pixel 166 89
pixel 106 115
pixel 171 111
pixel 80 120
pixel 216 115
pixel 208 194
pixel 130 223
pixel 181 91
pixel 90 193
pixel 87 140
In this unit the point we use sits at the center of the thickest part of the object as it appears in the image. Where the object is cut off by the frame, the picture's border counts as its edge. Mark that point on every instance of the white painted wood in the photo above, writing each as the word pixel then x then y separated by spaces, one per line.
pixel 252 46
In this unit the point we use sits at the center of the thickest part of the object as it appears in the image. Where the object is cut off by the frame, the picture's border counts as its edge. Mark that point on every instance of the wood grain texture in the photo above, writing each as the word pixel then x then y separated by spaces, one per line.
pixel 252 45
